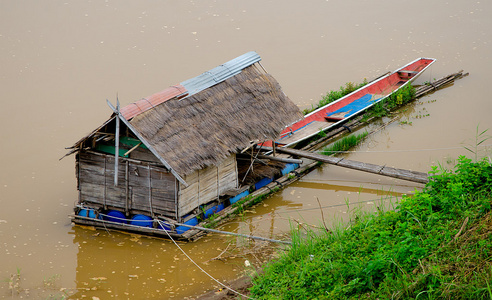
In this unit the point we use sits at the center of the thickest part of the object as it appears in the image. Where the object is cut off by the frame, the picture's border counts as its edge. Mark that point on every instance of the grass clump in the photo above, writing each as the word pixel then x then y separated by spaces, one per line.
pixel 332 96
pixel 435 244
pixel 344 144
pixel 395 100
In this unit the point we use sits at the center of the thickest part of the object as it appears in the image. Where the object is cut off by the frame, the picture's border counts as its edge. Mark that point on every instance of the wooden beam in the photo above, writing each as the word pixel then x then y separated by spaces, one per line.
pixel 356 165
pixel 282 159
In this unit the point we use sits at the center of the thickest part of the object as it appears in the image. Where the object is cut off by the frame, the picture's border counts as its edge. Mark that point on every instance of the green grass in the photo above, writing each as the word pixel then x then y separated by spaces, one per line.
pixel 344 144
pixel 436 244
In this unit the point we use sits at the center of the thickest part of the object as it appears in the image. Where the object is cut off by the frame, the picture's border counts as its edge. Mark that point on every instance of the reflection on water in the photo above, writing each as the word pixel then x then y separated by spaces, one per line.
pixel 61 60
pixel 136 267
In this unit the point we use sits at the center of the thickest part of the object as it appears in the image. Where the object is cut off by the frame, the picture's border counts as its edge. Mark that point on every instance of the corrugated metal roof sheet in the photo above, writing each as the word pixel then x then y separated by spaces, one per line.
pixel 147 103
pixel 193 85
pixel 220 73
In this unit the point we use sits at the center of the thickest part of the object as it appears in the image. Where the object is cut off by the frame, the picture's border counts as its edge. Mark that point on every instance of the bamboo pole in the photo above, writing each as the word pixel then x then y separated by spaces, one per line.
pixel 133 148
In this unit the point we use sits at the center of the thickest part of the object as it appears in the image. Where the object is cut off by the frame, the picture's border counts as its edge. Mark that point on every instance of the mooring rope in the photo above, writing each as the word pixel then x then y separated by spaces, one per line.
pixel 335 205
pixel 161 223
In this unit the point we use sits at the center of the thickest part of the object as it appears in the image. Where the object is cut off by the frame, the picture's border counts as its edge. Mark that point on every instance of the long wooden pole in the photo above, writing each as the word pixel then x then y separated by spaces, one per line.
pixel 414 176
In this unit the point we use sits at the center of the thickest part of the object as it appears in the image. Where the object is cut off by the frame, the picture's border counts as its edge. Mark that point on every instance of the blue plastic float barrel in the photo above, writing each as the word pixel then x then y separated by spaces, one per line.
pixel 115 216
pixel 238 197
pixel 164 226
pixel 212 210
pixel 289 168
pixel 182 229
pixel 262 183
pixel 89 213
pixel 142 220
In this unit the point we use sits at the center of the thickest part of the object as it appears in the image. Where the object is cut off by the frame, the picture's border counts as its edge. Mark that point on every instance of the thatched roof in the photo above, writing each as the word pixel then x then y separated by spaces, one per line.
pixel 203 129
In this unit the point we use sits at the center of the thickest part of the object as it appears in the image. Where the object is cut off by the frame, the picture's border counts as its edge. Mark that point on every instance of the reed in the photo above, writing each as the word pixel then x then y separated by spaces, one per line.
pixel 344 144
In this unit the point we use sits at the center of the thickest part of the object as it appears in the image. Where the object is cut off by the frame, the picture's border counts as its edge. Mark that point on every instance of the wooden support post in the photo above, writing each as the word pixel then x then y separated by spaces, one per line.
pixel 105 184
pixel 150 191
pixel 127 185
pixel 218 183
pixel 198 185
pixel 176 186
pixel 117 142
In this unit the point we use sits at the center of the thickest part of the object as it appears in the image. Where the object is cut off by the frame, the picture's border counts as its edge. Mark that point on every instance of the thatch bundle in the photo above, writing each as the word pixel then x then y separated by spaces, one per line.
pixel 205 128
pixel 248 174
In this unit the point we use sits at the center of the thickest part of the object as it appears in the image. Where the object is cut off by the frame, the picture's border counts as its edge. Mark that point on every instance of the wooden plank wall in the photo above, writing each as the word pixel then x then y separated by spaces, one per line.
pixel 136 192
pixel 207 184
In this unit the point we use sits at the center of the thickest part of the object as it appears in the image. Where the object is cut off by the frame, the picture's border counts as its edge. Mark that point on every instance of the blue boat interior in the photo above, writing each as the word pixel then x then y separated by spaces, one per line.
pixel 355 106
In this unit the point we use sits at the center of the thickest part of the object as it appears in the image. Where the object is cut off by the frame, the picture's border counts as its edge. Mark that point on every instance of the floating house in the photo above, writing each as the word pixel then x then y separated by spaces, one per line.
pixel 184 153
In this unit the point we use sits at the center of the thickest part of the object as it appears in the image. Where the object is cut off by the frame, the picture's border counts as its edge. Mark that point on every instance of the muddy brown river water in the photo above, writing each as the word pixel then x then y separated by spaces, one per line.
pixel 60 61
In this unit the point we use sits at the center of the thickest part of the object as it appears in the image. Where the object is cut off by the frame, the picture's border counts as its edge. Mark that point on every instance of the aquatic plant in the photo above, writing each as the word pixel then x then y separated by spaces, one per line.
pixel 397 99
pixel 48 289
pixel 480 138
pixel 344 144
pixel 14 282
pixel 401 97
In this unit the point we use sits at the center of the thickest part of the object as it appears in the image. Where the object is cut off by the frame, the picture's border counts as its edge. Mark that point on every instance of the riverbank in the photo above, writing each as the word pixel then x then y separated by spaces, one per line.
pixel 437 243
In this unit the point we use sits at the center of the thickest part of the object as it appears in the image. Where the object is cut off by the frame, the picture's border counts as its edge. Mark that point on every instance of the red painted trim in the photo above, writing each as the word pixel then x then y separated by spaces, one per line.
pixel 147 103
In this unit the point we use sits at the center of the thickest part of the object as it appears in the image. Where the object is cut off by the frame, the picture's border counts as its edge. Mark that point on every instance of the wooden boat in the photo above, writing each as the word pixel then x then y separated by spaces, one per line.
pixel 340 111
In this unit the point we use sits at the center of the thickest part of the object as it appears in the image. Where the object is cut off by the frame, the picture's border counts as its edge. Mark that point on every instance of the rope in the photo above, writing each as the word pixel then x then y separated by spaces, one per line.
pixel 201 269
pixel 330 206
